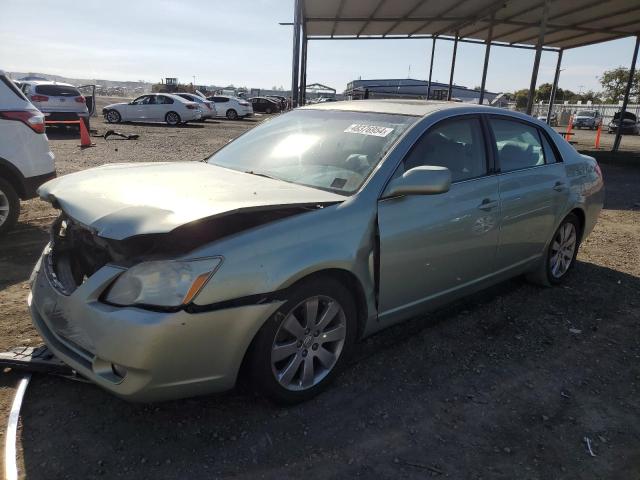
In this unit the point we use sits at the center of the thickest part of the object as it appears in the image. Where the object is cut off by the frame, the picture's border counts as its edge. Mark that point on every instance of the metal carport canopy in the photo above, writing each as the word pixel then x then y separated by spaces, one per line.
pixel 554 25
pixel 570 23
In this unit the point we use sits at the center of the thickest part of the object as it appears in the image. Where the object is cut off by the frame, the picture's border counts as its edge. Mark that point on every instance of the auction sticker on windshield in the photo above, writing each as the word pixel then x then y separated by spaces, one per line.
pixel 368 130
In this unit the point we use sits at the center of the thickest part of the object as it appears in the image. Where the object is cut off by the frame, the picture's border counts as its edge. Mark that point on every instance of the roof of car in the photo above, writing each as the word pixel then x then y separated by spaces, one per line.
pixel 392 106
pixel 48 82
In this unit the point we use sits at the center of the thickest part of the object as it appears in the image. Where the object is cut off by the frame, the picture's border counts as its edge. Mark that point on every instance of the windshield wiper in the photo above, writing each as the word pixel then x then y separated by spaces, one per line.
pixel 251 172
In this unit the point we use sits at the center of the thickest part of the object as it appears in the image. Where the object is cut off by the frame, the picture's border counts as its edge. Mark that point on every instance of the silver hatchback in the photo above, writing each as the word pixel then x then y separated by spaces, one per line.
pixel 311 231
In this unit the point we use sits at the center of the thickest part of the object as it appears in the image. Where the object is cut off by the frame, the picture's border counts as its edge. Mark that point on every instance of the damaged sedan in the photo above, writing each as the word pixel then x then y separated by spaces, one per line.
pixel 319 227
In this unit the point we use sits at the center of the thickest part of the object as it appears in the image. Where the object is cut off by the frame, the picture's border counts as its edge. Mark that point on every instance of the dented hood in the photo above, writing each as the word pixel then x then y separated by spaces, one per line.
pixel 118 201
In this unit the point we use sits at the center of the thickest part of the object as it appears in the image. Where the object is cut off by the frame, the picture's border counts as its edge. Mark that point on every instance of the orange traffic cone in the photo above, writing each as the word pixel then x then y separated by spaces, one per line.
pixel 597 144
pixel 85 140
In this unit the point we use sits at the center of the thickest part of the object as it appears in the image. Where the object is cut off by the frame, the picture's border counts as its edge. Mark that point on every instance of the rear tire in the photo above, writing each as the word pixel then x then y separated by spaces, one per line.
pixel 172 118
pixel 560 255
pixel 9 206
pixel 305 343
pixel 232 114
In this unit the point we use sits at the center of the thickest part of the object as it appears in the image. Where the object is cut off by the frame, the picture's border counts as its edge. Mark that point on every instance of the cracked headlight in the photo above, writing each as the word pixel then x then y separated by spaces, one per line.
pixel 162 283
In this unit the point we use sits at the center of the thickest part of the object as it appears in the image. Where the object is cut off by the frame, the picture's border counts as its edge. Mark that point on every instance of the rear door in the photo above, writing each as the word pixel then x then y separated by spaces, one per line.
pixel 164 105
pixel 533 190
pixel 434 247
pixel 222 105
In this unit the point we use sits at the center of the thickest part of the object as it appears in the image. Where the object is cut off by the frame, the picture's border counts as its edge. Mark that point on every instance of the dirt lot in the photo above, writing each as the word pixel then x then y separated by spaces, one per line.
pixel 503 385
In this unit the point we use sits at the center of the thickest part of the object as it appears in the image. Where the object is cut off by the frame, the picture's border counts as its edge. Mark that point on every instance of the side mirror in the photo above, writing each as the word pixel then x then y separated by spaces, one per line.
pixel 425 180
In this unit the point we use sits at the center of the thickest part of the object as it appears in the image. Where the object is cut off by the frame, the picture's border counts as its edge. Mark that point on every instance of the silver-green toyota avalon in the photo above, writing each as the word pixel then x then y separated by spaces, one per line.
pixel 309 232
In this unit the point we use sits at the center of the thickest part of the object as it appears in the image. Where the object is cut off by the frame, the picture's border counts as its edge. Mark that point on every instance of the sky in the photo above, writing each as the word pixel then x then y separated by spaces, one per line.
pixel 240 42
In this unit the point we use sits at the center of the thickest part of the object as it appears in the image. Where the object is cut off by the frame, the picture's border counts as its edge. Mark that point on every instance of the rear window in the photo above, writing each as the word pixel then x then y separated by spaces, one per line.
pixel 57 90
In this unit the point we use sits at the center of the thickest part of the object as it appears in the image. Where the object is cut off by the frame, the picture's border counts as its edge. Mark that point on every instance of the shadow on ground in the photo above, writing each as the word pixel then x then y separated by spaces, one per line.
pixel 503 385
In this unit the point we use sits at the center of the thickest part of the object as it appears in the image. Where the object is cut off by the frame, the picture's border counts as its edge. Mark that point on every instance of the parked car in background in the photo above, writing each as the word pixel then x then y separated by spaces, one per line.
pixel 154 107
pixel 207 107
pixel 629 124
pixel 265 105
pixel 282 101
pixel 25 158
pixel 306 233
pixel 232 108
pixel 553 120
pixel 58 101
pixel 590 119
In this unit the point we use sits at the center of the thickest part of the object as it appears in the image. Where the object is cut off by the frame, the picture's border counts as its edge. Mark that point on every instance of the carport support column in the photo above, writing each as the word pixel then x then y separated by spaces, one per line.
pixel 625 102
pixel 295 65
pixel 554 88
pixel 536 61
pixel 303 68
pixel 453 66
pixel 433 52
pixel 487 52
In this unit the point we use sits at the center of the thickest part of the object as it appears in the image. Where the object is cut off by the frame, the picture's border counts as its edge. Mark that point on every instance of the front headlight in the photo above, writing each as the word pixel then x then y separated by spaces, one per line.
pixel 162 283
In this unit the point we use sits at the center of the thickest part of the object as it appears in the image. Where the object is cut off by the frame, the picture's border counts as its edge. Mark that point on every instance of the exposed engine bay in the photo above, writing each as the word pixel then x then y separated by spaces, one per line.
pixel 76 253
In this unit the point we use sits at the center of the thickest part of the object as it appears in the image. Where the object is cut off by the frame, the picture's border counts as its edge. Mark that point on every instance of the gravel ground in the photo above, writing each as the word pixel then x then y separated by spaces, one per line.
pixel 506 384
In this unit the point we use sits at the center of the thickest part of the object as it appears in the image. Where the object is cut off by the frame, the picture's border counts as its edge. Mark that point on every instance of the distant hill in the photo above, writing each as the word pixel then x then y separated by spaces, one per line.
pixel 146 86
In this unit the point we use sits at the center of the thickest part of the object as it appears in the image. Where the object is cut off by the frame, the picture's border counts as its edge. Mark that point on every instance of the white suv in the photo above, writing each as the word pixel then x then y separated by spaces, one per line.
pixel 58 101
pixel 26 161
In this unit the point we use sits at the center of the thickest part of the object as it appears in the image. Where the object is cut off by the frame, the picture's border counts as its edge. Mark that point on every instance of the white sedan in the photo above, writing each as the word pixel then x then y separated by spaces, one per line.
pixel 155 107
pixel 207 107
pixel 231 107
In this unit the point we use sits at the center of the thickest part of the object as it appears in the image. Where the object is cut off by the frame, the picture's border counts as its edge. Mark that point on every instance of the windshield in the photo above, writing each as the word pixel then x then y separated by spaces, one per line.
pixel 326 149
pixel 585 113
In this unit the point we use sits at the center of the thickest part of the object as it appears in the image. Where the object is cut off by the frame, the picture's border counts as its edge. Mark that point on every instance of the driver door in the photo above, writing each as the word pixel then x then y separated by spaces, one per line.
pixel 436 247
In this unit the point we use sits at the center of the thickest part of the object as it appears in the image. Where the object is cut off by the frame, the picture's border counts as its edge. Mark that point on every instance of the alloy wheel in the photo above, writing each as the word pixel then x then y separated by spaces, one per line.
pixel 308 343
pixel 563 249
pixel 172 118
pixel 5 208
pixel 113 116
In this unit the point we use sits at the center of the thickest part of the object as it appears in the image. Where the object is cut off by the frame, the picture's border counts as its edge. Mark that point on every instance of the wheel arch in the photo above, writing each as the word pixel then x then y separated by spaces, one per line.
pixel 345 277
pixel 578 212
pixel 11 174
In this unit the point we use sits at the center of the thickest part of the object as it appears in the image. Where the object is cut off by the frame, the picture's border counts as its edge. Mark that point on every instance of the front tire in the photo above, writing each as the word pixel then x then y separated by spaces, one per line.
pixel 304 345
pixel 9 206
pixel 113 116
pixel 560 255
pixel 232 114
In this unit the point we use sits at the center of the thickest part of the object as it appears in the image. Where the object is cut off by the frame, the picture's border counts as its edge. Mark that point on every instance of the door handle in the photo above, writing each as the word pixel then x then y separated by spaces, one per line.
pixel 559 186
pixel 487 204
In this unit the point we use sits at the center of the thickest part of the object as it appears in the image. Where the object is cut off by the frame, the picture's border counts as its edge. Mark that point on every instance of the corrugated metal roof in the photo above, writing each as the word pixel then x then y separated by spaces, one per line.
pixel 570 23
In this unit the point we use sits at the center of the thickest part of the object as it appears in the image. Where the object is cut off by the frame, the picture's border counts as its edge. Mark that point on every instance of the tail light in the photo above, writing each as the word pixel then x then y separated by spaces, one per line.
pixel 244 104
pixel 192 106
pixel 79 99
pixel 31 118
pixel 39 98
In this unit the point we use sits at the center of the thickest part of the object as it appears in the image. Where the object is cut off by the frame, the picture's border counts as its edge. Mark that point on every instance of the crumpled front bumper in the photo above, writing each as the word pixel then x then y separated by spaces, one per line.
pixel 138 354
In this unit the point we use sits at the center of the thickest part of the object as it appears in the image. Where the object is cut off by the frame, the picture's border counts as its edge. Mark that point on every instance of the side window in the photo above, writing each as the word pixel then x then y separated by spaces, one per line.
pixel 549 154
pixel 517 143
pixel 456 144
pixel 220 99
pixel 165 100
pixel 141 100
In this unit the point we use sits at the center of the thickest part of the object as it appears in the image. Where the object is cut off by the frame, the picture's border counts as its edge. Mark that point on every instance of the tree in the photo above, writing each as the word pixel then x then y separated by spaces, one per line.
pixel 614 83
pixel 521 97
